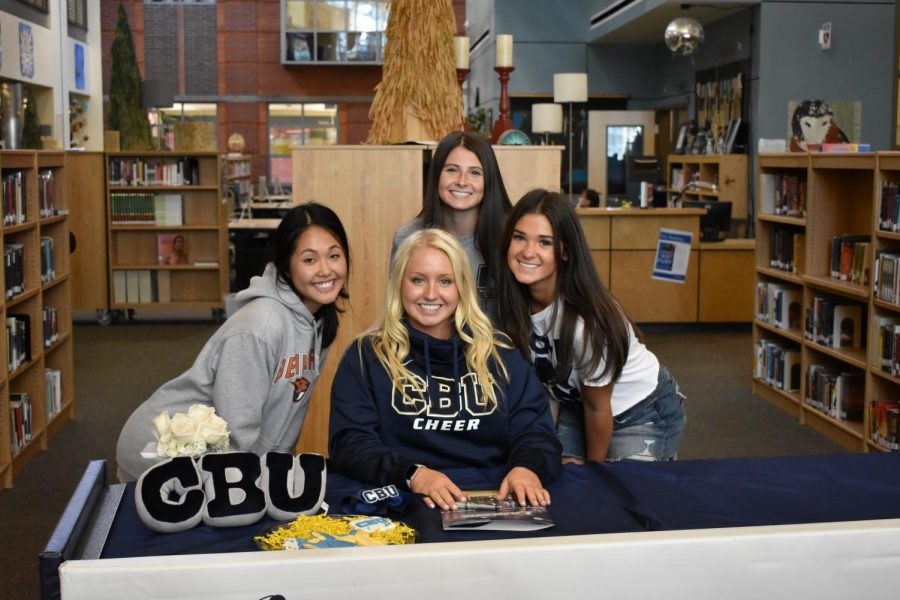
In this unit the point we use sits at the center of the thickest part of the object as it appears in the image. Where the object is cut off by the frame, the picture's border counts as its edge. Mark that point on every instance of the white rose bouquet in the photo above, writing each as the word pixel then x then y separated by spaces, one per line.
pixel 198 431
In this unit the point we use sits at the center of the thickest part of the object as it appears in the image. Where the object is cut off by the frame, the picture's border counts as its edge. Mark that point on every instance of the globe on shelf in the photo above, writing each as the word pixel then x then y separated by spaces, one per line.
pixel 236 142
pixel 514 137
pixel 683 36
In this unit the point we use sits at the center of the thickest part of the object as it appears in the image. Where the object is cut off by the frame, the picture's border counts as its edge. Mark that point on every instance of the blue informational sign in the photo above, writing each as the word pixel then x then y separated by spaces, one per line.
pixel 79 66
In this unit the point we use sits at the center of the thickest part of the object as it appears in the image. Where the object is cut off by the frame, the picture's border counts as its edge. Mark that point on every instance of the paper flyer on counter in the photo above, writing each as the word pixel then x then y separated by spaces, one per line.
pixel 673 253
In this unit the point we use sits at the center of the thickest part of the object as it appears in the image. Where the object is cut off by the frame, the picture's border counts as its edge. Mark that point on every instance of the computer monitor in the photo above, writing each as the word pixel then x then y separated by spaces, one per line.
pixel 641 169
pixel 716 223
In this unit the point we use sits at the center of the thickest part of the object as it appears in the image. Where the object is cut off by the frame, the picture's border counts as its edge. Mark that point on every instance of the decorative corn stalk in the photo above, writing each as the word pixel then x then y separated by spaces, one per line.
pixel 418 97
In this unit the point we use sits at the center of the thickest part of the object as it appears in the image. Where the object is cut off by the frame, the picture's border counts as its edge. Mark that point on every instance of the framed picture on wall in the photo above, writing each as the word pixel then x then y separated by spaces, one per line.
pixel 682 139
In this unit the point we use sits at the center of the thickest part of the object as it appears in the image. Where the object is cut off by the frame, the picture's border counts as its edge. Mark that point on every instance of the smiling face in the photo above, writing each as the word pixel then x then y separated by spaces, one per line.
pixel 461 185
pixel 318 267
pixel 531 257
pixel 428 292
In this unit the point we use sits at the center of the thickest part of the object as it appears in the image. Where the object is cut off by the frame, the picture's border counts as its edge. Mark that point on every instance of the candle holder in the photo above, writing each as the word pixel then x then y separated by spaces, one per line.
pixel 461 75
pixel 503 123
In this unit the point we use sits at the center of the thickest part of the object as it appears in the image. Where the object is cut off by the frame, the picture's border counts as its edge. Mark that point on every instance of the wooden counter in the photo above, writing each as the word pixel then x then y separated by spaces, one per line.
pixel 719 280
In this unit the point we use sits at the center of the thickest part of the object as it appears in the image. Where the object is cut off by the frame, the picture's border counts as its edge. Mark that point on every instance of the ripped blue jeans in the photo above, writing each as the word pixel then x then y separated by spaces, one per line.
pixel 650 430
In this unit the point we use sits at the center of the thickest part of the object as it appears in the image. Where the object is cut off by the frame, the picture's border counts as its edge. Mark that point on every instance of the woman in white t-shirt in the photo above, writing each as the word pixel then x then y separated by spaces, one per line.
pixel 611 397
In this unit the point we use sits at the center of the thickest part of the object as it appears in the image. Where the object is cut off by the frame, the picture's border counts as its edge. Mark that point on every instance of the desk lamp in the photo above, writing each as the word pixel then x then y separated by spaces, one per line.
pixel 571 88
pixel 546 118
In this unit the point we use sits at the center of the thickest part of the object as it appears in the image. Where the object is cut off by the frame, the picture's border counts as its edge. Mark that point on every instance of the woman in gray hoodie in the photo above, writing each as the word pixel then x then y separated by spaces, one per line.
pixel 258 370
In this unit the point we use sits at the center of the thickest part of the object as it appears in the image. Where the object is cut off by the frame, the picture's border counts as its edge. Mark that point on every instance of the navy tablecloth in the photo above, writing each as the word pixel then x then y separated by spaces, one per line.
pixel 611 498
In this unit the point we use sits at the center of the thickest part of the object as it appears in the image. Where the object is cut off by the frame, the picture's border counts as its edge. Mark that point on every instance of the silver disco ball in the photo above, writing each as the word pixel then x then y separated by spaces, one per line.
pixel 684 35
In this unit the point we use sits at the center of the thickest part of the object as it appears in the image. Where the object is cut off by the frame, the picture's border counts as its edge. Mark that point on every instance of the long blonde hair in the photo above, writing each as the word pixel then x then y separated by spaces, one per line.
pixel 389 336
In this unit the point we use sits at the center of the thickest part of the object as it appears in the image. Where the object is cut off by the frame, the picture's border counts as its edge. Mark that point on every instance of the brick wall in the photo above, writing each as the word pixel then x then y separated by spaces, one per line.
pixel 233 51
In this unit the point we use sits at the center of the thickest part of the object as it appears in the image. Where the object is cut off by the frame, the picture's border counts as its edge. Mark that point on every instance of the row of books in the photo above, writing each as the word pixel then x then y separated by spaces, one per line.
pixel 14 269
pixel 141 286
pixel 787 250
pixel 779 305
pixel 889 209
pixel 850 258
pixel 14 199
pixel 154 171
pixel 50 317
pixel 53 392
pixel 838 394
pixel 839 148
pixel 834 323
pixel 778 365
pixel 888 329
pixel 20 416
pixel 18 341
pixel 783 194
pixel 141 208
pixel 48 261
pixel 886 284
pixel 884 421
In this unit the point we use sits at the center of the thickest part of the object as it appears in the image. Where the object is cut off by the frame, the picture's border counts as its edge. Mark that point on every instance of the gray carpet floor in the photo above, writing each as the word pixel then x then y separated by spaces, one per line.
pixel 118 366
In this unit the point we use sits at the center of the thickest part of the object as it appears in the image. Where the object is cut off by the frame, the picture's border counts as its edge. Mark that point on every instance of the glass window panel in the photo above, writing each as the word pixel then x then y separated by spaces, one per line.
pixel 299 47
pixel 332 15
pixel 328 47
pixel 299 14
pixel 361 47
pixel 363 16
pixel 296 125
pixel 383 10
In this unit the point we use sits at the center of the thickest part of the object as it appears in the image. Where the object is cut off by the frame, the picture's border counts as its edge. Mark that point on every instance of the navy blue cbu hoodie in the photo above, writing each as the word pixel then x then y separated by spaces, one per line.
pixel 379 431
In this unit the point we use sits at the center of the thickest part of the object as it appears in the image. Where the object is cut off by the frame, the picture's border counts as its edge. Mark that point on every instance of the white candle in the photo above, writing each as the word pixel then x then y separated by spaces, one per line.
pixel 461 52
pixel 504 50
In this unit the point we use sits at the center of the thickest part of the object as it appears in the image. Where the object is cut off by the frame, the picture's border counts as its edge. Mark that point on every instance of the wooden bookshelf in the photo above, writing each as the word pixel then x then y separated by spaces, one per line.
pixel 841 196
pixel 239 180
pixel 86 189
pixel 40 182
pixel 174 194
pixel 710 177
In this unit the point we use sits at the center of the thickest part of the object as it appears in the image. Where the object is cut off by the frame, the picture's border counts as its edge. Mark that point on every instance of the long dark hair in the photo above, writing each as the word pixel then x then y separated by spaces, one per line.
pixel 292 226
pixel 494 206
pixel 578 287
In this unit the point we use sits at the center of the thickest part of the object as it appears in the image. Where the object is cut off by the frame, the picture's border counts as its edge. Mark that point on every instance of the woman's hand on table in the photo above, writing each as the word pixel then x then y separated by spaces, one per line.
pixel 525 486
pixel 437 488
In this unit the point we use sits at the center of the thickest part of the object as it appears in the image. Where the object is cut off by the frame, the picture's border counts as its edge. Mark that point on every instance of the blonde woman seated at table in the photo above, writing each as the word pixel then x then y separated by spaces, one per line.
pixel 432 386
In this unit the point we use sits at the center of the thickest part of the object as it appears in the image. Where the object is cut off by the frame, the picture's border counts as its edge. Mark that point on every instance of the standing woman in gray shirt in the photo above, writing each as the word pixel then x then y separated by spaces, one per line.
pixel 465 197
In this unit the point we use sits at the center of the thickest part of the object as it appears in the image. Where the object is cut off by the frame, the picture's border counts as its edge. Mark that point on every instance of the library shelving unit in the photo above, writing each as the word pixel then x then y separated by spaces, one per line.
pixel 709 177
pixel 37 391
pixel 238 180
pixel 167 231
pixel 816 333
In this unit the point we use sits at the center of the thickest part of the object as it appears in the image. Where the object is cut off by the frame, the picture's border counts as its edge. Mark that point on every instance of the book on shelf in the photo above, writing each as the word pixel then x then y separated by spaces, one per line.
pixel 788 307
pixel 888 328
pixel 885 280
pixel 778 364
pixel 845 148
pixel 838 394
pixel 53 391
pixel 50 317
pixel 172 248
pixel 141 286
pixel 484 511
pixel 843 248
pixel 164 286
pixel 884 419
pixel 14 199
pixel 889 207
pixel 46 194
pixel 847 326
pixel 48 262
pixel 783 194
pixel 14 269
pixel 20 413
pixel 132 286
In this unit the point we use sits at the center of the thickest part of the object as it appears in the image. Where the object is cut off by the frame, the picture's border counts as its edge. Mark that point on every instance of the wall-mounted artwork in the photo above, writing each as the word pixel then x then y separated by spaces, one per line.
pixel 823 122
pixel 26 50
pixel 79 66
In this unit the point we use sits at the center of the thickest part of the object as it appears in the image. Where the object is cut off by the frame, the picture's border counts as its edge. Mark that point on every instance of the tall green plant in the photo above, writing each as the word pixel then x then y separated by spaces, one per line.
pixel 126 115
